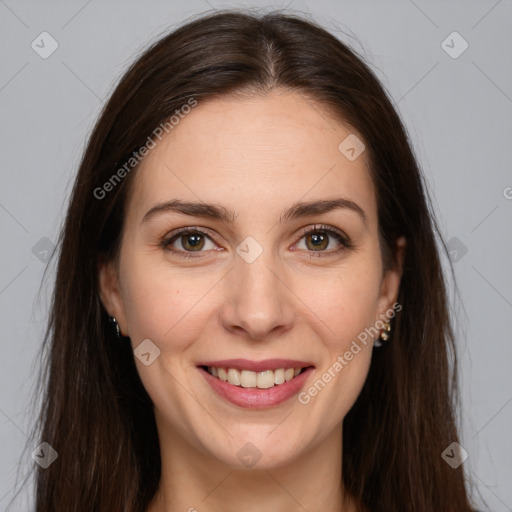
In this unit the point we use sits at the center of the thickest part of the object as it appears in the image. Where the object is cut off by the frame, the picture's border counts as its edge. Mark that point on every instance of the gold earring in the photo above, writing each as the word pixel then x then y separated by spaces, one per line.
pixel 384 335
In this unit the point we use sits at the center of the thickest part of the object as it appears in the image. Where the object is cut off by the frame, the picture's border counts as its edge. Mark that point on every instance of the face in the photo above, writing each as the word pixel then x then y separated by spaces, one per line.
pixel 272 280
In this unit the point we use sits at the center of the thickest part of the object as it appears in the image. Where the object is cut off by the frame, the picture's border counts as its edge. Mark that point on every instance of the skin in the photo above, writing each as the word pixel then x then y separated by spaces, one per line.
pixel 255 155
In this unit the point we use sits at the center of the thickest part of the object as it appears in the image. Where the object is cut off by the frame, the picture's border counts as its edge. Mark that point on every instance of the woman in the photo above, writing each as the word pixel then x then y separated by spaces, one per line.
pixel 249 310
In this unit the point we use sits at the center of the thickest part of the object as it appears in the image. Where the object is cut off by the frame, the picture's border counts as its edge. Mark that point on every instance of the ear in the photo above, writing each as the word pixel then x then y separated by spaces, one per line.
pixel 110 293
pixel 391 280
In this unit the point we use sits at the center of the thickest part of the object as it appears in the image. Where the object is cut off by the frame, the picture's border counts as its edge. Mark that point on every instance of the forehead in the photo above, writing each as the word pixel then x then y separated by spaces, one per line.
pixel 255 155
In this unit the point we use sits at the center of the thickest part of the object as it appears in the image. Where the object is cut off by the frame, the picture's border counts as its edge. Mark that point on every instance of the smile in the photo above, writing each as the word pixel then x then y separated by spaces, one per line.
pixel 256 385
pixel 247 379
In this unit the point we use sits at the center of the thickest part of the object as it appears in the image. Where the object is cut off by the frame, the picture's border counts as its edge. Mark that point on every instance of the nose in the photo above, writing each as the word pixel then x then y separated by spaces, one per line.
pixel 258 304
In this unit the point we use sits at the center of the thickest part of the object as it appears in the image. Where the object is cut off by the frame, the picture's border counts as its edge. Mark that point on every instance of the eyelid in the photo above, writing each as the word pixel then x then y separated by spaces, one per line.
pixel 189 229
pixel 324 228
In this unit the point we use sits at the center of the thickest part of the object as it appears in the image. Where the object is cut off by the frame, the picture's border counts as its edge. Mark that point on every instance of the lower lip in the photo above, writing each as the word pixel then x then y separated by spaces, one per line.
pixel 255 398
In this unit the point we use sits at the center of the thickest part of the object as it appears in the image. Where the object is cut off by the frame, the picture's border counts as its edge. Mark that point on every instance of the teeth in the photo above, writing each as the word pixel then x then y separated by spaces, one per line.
pixel 234 377
pixel 279 376
pixel 248 379
pixel 265 380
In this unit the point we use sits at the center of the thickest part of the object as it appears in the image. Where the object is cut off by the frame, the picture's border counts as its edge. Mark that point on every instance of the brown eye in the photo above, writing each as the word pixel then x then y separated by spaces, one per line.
pixel 321 238
pixel 192 241
pixel 187 241
pixel 317 241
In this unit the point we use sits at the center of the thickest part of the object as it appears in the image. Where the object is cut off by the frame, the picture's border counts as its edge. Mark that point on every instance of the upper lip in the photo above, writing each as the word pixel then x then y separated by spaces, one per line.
pixel 257 366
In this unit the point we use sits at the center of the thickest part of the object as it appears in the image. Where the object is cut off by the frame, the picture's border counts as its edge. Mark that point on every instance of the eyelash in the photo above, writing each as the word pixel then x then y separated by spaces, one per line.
pixel 338 235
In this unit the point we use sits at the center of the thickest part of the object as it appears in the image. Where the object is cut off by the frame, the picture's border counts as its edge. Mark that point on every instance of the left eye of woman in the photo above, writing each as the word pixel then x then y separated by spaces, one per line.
pixel 318 239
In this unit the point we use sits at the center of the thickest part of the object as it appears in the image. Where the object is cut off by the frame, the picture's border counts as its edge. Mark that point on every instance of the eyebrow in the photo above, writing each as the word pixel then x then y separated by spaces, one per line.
pixel 217 212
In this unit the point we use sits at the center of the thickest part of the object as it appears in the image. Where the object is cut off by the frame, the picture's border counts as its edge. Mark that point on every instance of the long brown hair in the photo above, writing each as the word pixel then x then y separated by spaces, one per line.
pixel 96 413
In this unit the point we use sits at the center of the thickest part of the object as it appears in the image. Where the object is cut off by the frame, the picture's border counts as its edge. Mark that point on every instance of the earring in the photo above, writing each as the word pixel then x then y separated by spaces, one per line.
pixel 384 336
pixel 113 321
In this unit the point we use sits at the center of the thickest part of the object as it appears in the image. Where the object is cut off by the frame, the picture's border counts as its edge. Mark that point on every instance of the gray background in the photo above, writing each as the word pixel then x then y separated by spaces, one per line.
pixel 458 113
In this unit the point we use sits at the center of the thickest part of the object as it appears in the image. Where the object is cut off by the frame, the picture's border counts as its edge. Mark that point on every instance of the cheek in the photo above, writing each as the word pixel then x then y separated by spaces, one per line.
pixel 347 313
pixel 346 304
pixel 345 300
pixel 162 303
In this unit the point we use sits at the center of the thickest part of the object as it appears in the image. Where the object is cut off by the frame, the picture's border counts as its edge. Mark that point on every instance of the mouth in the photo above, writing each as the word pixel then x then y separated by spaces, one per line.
pixel 256 385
